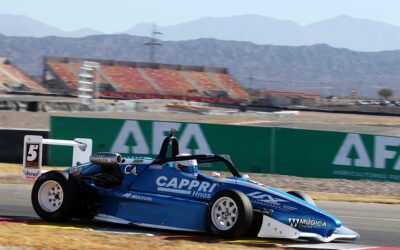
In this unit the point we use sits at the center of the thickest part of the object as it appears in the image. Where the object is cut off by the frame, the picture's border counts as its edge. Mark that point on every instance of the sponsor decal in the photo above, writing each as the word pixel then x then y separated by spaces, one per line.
pixel 195 188
pixel 75 171
pixel 137 197
pixel 266 198
pixel 306 223
pixel 30 174
pixel 269 200
pixel 129 169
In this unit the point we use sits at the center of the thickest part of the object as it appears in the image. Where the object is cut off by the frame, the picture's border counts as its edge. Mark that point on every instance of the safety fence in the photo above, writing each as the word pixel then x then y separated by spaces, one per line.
pixel 299 152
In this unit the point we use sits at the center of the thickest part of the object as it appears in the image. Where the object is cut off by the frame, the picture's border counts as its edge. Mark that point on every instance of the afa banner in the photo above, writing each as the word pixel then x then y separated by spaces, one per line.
pixel 287 151
pixel 248 146
pixel 329 154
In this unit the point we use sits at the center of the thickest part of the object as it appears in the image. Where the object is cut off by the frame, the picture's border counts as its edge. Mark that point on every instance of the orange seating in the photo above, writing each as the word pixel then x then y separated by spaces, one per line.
pixel 229 85
pixel 69 73
pixel 98 77
pixel 234 89
pixel 153 81
pixel 68 77
pixel 171 81
pixel 19 77
pixel 3 78
pixel 203 80
pixel 128 79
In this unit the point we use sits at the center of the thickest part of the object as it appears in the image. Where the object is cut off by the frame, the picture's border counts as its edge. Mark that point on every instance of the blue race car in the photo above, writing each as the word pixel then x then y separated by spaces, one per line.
pixel 169 192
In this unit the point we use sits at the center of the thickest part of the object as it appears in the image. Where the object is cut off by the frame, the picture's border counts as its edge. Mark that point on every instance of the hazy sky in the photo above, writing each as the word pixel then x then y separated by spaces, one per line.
pixel 119 15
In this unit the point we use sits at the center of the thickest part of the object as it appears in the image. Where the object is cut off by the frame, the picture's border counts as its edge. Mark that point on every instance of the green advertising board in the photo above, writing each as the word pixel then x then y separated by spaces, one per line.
pixel 298 152
pixel 327 154
pixel 248 146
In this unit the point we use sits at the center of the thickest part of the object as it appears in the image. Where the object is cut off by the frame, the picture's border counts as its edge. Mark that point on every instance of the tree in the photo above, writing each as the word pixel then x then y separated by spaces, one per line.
pixel 386 93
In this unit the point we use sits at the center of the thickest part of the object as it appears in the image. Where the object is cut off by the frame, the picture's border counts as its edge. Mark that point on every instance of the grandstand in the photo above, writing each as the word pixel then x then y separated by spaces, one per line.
pixel 121 79
pixel 280 98
pixel 14 80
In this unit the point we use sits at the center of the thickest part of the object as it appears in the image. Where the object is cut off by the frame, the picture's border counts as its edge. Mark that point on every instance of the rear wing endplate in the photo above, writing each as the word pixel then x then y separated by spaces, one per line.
pixel 33 151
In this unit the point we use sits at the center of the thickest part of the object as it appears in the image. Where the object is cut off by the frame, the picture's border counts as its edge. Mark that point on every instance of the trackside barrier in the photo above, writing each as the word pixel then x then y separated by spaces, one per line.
pixel 288 151
pixel 33 151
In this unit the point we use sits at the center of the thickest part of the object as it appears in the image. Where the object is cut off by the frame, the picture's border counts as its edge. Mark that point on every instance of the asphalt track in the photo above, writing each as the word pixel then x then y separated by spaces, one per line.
pixel 378 224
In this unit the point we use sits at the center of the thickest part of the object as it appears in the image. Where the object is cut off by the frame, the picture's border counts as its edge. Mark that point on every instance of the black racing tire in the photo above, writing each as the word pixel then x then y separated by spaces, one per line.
pixel 54 195
pixel 256 225
pixel 302 195
pixel 236 220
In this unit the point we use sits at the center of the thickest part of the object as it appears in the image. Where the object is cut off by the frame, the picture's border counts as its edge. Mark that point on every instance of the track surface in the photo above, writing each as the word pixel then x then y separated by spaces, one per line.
pixel 378 224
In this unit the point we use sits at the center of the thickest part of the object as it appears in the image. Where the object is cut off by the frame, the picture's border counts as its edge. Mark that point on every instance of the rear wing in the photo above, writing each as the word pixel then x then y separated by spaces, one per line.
pixel 33 151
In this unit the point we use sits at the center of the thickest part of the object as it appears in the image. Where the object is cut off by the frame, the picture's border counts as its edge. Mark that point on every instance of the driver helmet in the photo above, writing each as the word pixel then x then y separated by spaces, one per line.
pixel 187 166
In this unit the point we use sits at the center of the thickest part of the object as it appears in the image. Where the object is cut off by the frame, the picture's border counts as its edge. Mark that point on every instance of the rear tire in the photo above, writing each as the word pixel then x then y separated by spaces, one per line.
pixel 303 195
pixel 53 196
pixel 230 214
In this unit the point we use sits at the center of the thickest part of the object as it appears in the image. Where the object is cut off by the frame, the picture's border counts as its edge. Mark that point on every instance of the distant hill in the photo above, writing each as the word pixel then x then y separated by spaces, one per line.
pixel 341 32
pixel 17 25
pixel 317 68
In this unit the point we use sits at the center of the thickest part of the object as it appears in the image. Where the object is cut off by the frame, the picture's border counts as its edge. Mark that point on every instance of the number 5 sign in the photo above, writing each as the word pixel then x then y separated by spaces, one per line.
pixel 33 145
pixel 32 162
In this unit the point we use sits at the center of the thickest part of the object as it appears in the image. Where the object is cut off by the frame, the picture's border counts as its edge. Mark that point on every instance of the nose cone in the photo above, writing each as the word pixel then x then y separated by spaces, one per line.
pixel 346 233
pixel 338 223
pixel 335 221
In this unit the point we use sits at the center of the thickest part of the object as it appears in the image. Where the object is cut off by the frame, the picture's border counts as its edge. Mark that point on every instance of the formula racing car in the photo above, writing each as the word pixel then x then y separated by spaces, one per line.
pixel 169 192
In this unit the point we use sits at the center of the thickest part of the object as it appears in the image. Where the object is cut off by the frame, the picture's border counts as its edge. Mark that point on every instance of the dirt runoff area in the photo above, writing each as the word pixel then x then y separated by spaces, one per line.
pixel 40 120
pixel 17 235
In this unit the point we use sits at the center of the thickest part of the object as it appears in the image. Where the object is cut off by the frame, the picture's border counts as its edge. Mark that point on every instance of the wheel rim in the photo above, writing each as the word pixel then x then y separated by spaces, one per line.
pixel 50 196
pixel 224 213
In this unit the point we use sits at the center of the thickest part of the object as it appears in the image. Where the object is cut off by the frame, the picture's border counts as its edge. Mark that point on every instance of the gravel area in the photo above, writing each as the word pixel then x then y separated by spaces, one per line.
pixel 342 186
pixel 340 122
pixel 50 236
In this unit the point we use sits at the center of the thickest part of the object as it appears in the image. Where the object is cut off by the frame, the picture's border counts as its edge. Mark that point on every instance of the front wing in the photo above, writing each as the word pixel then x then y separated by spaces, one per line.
pixel 272 228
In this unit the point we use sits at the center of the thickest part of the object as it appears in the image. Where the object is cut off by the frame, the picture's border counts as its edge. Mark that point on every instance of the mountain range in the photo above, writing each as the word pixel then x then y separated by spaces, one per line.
pixel 340 32
pixel 317 68
pixel 17 25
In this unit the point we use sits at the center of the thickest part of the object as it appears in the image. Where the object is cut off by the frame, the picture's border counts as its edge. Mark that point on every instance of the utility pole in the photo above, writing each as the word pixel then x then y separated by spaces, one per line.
pixel 153 43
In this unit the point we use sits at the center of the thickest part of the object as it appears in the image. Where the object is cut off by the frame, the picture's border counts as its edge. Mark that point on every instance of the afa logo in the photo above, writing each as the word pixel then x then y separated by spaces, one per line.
pixel 131 139
pixel 384 154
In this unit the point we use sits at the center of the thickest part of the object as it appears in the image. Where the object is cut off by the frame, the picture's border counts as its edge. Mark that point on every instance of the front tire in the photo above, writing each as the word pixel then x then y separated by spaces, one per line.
pixel 230 214
pixel 53 196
